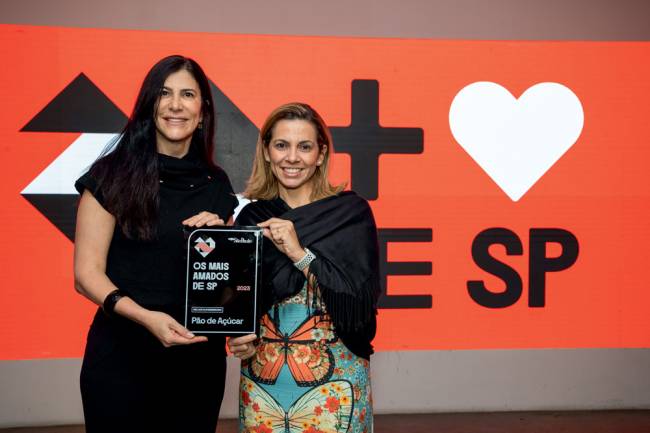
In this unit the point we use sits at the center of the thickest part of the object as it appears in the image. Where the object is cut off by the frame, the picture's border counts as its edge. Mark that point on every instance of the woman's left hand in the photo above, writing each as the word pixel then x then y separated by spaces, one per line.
pixel 242 347
pixel 284 237
pixel 204 218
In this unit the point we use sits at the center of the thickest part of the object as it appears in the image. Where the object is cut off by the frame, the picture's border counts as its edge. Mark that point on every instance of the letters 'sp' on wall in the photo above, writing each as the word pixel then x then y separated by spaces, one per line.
pixel 509 180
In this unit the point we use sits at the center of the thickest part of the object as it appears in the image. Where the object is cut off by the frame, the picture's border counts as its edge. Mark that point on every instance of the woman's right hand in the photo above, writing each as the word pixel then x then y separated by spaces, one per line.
pixel 283 235
pixel 168 331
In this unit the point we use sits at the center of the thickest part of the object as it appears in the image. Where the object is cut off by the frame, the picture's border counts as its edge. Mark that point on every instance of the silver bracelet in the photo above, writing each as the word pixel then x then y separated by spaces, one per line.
pixel 305 261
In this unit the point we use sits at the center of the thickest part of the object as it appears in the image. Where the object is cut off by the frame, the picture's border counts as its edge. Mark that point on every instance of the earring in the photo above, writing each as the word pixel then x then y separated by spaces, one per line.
pixel 200 125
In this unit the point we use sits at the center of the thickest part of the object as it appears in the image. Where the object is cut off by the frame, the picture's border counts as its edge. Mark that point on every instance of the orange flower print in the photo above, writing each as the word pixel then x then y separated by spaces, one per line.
pixel 313 429
pixel 315 356
pixel 332 404
pixel 302 354
pixel 245 398
pixel 318 410
pixel 262 429
pixel 345 400
pixel 256 407
pixel 270 352
pixel 362 415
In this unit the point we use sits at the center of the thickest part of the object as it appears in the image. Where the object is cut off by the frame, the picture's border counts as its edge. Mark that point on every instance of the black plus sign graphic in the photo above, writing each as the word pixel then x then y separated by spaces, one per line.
pixel 365 139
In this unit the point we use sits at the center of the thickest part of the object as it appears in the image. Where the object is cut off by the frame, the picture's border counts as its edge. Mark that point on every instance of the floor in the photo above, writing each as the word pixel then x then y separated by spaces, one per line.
pixel 502 422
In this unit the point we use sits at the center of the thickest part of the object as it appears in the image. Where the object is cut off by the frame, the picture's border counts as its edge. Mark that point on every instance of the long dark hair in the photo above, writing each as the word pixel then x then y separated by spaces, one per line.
pixel 127 171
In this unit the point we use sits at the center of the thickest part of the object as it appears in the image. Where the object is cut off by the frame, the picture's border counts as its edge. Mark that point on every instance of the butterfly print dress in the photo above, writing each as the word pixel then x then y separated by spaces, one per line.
pixel 303 379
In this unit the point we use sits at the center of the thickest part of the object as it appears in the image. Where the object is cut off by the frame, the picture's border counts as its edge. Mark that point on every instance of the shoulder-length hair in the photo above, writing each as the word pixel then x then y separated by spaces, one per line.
pixel 127 171
pixel 263 184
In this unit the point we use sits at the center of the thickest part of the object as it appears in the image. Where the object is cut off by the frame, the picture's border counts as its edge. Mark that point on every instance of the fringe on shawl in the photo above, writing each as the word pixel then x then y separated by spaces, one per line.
pixel 348 311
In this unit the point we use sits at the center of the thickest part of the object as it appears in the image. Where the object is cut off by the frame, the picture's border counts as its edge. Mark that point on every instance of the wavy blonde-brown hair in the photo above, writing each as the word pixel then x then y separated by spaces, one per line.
pixel 262 184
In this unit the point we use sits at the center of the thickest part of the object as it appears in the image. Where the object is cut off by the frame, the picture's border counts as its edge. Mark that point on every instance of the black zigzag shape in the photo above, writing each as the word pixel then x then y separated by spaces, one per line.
pixel 59 209
pixel 80 107
pixel 236 137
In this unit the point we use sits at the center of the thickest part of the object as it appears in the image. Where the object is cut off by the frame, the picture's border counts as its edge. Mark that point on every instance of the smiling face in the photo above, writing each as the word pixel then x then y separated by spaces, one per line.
pixel 178 113
pixel 294 154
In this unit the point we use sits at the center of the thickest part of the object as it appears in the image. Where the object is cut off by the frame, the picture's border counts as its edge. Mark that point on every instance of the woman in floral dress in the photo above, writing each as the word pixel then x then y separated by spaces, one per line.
pixel 310 371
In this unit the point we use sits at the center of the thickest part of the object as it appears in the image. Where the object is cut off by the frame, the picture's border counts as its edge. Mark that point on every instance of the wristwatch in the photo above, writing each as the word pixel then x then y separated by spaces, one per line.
pixel 305 261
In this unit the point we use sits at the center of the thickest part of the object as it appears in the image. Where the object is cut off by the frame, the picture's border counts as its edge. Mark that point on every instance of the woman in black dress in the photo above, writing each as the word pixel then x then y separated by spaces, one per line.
pixel 142 370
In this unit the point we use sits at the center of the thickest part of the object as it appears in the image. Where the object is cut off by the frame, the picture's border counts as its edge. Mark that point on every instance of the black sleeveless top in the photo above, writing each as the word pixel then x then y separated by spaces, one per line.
pixel 152 273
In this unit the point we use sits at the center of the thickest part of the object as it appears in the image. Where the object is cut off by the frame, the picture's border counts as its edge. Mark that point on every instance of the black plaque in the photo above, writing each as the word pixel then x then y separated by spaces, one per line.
pixel 223 277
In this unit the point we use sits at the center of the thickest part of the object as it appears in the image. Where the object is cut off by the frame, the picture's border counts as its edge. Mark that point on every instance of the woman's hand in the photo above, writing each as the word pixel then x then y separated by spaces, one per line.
pixel 168 331
pixel 243 347
pixel 204 218
pixel 284 237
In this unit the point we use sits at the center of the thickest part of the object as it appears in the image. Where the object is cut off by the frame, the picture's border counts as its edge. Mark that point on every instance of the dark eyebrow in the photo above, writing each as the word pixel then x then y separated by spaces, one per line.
pixel 182 90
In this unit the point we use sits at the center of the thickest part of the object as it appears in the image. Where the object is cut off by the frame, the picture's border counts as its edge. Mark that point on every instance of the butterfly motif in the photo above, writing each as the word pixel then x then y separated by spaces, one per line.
pixel 326 408
pixel 306 352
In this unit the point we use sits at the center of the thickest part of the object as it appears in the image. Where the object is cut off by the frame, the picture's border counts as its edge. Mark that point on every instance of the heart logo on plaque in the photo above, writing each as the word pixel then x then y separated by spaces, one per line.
pixel 204 247
pixel 515 141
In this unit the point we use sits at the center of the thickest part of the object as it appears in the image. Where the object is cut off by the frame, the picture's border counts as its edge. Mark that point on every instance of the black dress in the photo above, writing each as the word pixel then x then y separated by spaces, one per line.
pixel 129 381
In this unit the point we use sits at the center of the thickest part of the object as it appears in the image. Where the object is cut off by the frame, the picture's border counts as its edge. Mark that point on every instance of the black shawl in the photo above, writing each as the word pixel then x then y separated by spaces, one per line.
pixel 341 232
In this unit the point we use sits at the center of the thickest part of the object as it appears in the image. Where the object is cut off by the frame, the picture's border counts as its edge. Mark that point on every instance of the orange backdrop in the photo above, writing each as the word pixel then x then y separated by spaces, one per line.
pixel 599 190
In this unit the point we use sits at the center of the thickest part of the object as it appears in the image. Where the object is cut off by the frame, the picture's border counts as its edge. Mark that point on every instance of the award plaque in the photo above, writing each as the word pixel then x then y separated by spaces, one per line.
pixel 223 277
